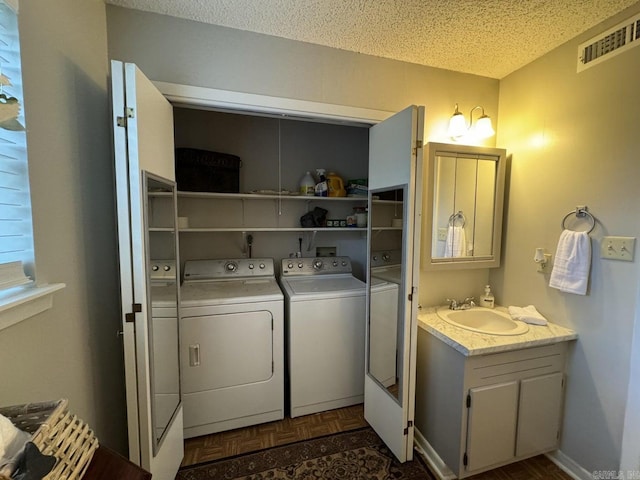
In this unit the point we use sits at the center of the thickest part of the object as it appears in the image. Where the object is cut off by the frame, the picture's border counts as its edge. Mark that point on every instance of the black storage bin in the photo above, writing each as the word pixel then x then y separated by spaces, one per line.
pixel 205 171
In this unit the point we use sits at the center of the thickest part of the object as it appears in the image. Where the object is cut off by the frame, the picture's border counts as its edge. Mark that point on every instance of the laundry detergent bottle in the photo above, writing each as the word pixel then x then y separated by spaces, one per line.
pixel 307 185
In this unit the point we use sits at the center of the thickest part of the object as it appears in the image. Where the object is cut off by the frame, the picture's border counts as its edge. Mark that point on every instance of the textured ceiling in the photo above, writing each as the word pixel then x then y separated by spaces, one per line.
pixel 485 37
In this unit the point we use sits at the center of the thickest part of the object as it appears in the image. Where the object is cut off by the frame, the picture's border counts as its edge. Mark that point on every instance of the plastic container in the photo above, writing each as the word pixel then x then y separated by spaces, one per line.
pixel 487 300
pixel 307 185
pixel 336 185
pixel 322 187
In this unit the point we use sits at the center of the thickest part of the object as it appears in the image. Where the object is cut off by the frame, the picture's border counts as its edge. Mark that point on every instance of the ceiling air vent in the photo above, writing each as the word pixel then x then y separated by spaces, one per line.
pixel 608 44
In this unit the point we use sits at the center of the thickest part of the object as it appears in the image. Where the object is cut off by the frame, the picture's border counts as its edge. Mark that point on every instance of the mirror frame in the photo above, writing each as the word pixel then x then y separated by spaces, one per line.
pixel 460 263
pixel 147 179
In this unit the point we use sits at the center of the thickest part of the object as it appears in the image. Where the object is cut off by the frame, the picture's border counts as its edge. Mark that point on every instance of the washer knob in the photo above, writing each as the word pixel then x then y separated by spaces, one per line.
pixel 262 266
pixel 300 265
pixel 251 266
pixel 317 264
pixel 290 265
pixel 385 257
pixel 155 268
pixel 231 266
pixel 344 263
pixel 167 268
pixel 335 263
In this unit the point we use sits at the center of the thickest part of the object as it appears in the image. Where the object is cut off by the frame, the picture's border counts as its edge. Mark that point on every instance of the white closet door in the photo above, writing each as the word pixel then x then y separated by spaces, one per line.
pixel 143 142
pixel 395 169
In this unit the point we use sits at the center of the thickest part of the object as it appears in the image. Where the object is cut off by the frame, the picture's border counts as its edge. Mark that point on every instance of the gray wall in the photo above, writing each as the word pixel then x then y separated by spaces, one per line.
pixel 574 140
pixel 72 350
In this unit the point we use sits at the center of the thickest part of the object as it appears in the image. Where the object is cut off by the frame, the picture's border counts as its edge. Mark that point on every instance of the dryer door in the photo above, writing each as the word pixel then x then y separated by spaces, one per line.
pixel 395 173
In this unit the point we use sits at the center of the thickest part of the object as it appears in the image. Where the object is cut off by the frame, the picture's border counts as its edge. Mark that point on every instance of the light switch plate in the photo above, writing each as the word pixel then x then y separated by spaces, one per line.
pixel 618 248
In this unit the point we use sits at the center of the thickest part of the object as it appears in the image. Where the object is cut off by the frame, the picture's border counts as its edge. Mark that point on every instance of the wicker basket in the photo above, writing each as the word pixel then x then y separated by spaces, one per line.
pixel 56 432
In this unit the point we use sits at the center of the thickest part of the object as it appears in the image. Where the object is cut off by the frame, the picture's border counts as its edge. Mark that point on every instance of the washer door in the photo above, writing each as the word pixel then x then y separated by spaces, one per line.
pixel 226 350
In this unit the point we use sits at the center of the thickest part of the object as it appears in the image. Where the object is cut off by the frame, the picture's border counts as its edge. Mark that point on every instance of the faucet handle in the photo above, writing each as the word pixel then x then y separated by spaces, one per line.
pixel 453 303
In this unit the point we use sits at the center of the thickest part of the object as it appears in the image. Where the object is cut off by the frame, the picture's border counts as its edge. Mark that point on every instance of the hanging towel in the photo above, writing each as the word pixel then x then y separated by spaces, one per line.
pixel 527 314
pixel 456 245
pixel 571 266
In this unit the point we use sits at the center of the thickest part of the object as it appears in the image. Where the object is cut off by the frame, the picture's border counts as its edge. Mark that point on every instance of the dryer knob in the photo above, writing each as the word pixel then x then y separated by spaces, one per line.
pixel 231 266
pixel 167 268
pixel 262 265
pixel 300 265
pixel 155 268
pixel 385 257
pixel 335 263
pixel 289 265
pixel 251 266
pixel 344 263
pixel 375 258
pixel 317 264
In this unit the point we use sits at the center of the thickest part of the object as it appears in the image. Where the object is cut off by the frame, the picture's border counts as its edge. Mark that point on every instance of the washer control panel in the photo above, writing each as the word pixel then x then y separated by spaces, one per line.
pixel 202 270
pixel 162 271
pixel 315 265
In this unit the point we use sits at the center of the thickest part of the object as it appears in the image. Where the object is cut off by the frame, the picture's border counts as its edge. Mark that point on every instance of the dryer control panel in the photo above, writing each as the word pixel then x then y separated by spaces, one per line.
pixel 231 268
pixel 315 266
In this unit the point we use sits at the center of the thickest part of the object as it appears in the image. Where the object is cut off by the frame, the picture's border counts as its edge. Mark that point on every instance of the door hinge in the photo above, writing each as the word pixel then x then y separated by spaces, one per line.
pixel 465 459
pixel 128 113
pixel 468 400
pixel 131 317
pixel 410 297
pixel 409 425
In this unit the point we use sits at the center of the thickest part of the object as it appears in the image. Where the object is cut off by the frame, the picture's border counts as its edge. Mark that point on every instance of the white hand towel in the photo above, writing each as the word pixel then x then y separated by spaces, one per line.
pixel 527 314
pixel 572 263
pixel 456 244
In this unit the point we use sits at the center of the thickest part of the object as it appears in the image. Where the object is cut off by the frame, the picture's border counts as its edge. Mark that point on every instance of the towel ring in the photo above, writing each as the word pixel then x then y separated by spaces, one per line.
pixel 455 216
pixel 580 212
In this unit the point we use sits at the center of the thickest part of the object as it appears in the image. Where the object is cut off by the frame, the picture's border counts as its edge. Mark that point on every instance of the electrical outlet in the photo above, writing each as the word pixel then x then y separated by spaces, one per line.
pixel 618 248
pixel 442 234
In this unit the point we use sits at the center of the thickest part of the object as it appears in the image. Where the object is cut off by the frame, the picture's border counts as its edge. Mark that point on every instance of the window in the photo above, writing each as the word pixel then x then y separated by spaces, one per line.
pixel 16 237
pixel 18 299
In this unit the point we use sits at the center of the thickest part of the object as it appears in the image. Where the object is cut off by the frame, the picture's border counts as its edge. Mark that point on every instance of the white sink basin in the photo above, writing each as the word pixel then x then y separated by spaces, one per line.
pixel 483 320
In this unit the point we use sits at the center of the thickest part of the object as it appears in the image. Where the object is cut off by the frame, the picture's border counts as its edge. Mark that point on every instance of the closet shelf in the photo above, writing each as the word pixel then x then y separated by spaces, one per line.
pixel 270 229
pixel 258 196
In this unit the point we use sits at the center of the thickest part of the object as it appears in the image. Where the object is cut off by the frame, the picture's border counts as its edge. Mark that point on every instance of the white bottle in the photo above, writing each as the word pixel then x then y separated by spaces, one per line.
pixel 307 185
pixel 487 299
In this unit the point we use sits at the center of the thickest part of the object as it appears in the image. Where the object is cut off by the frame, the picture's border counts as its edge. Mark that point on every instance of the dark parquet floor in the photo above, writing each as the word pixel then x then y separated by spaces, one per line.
pixel 290 430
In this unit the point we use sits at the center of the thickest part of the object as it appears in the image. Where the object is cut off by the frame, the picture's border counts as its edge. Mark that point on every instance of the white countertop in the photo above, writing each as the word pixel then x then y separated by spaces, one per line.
pixel 471 343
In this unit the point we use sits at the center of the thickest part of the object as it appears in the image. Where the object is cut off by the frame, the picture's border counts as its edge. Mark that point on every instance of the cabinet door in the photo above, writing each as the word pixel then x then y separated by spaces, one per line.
pixel 539 415
pixel 491 425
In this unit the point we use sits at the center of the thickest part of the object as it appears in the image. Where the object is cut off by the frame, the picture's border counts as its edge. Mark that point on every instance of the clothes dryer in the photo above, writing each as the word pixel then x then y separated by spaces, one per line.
pixel 232 352
pixel 386 273
pixel 325 324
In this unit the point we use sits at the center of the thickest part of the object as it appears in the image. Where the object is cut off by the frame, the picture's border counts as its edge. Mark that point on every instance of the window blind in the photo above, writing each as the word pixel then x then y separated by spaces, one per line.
pixel 16 233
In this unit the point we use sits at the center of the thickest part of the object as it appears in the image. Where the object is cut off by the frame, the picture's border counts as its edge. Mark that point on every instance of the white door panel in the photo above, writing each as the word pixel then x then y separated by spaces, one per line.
pixel 395 168
pixel 142 145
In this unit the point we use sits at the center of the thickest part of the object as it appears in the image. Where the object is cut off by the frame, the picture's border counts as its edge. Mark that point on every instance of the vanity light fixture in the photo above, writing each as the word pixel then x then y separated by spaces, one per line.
pixel 458 125
pixel 541 259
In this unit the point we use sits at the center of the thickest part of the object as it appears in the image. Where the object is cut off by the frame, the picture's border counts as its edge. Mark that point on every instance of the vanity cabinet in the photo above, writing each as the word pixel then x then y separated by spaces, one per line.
pixel 480 412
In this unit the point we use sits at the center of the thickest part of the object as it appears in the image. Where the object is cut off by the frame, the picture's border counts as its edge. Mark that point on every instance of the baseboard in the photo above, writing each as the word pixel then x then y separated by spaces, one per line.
pixel 568 465
pixel 437 466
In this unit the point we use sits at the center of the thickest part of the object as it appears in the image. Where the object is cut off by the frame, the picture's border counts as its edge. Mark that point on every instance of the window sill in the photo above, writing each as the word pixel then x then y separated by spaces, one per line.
pixel 20 303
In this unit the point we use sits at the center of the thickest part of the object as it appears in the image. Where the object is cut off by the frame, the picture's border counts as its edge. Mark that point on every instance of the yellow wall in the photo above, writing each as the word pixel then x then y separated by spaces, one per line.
pixel 71 351
pixel 574 140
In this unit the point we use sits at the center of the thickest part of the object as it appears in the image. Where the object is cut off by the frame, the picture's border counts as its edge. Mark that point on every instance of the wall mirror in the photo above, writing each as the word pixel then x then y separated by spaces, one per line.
pixel 463 206
pixel 387 214
pixel 163 302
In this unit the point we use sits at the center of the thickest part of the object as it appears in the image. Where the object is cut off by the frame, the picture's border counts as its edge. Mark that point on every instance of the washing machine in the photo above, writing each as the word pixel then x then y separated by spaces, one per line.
pixel 231 345
pixel 163 277
pixel 325 325
pixel 385 280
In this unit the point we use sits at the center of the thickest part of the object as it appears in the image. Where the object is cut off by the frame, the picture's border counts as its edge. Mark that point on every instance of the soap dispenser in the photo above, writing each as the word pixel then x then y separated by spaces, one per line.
pixel 487 299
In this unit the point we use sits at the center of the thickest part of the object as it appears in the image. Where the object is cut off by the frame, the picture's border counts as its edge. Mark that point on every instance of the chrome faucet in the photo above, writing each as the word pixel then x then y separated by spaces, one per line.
pixel 464 305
